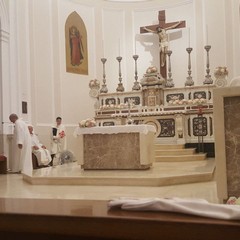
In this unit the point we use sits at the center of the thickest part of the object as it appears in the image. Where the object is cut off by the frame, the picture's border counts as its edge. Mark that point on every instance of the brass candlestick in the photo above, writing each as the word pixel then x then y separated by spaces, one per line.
pixel 189 81
pixel 104 86
pixel 208 79
pixel 120 87
pixel 169 82
pixel 136 85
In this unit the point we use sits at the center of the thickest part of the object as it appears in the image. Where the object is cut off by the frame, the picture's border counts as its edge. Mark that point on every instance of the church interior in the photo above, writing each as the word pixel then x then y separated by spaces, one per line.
pixel 149 94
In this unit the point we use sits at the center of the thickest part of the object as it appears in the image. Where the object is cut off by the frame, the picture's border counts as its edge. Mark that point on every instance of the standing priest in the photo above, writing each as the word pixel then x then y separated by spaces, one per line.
pixel 22 161
pixel 58 138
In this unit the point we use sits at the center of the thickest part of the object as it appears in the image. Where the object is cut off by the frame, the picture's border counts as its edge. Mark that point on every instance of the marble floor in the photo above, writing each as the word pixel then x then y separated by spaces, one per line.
pixel 13 186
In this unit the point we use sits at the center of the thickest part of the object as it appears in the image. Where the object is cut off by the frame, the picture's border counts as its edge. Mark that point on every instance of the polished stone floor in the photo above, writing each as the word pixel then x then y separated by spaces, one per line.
pixel 13 185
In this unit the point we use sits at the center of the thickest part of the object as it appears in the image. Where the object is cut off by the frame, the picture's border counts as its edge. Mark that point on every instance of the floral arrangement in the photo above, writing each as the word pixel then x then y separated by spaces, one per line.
pixel 220 71
pixel 62 134
pixel 233 201
pixel 152 70
pixel 90 122
pixel 116 106
pixel 94 84
pixel 196 101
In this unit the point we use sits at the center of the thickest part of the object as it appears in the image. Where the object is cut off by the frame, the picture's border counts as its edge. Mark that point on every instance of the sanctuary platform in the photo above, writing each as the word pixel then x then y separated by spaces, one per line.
pixel 161 174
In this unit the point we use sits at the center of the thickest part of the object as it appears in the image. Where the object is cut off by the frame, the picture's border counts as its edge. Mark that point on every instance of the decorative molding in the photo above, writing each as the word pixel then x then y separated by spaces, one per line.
pixel 200 94
pixel 155 123
pixel 109 101
pixel 200 126
pixel 174 96
pixel 108 124
pixel 137 100
pixel 167 127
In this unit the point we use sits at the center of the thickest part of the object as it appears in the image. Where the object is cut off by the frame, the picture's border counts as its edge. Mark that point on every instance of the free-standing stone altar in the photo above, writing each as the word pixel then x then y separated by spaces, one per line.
pixel 116 147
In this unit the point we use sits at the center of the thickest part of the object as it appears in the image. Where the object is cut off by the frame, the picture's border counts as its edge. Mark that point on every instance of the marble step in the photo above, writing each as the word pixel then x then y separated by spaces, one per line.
pixel 173 152
pixel 160 174
pixel 168 146
pixel 181 158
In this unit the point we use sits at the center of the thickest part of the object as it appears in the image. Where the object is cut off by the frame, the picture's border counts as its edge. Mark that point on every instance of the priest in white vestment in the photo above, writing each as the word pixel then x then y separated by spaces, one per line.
pixel 58 138
pixel 39 150
pixel 22 151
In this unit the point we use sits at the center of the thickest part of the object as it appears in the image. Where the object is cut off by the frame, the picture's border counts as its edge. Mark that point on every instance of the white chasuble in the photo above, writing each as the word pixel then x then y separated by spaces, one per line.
pixel 22 158
pixel 42 154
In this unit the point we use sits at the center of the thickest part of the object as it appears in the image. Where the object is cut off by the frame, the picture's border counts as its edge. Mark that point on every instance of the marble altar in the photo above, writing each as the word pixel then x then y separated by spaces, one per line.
pixel 116 147
pixel 174 114
pixel 227 141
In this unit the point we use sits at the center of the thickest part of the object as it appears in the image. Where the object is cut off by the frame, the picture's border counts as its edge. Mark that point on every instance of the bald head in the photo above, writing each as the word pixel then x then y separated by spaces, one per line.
pixel 13 117
pixel 30 128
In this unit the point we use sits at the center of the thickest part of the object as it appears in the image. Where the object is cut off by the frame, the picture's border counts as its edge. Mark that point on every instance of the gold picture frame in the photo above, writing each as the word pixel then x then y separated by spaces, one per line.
pixel 76 45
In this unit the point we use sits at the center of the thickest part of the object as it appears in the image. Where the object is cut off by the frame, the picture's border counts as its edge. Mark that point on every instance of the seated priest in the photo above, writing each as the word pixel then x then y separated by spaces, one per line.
pixel 39 150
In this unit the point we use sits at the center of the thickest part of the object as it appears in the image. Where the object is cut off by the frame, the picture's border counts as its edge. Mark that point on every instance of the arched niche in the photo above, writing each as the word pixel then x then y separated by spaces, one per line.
pixel 76 45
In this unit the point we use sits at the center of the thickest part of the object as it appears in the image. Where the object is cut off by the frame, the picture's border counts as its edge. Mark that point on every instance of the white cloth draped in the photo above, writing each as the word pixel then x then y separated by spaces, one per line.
pixel 42 154
pixel 115 129
pixel 198 207
pixel 22 158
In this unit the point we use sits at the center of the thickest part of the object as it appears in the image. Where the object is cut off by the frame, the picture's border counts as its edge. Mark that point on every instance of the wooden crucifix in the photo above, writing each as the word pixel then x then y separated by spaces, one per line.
pixel 160 29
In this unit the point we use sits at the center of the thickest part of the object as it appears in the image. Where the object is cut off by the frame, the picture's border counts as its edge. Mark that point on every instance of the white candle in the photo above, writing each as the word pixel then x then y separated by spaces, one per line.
pixel 103 47
pixel 189 37
pixel 206 34
pixel 119 48
pixel 135 48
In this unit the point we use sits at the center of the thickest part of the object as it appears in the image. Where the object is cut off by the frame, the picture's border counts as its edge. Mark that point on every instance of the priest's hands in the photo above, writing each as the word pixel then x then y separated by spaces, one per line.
pixel 20 146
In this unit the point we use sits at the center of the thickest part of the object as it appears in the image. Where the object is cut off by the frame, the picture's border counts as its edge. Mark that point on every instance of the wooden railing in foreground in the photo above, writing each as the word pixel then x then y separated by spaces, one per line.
pixel 90 220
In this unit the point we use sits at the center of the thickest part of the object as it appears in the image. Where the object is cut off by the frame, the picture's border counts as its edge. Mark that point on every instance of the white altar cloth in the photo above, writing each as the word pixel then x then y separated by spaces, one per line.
pixel 144 128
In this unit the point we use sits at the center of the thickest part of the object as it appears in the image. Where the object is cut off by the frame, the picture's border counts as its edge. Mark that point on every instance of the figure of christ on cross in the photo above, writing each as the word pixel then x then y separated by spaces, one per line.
pixel 160 29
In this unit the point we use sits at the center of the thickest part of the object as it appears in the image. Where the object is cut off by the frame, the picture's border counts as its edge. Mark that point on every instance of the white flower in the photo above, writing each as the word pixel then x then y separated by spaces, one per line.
pixel 220 71
pixel 82 123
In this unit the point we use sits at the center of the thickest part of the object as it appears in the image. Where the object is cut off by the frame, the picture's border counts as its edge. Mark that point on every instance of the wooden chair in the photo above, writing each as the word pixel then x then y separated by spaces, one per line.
pixel 3 164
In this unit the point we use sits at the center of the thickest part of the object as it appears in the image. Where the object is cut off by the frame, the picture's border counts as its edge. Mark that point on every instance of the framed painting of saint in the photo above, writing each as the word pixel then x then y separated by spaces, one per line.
pixel 76 45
